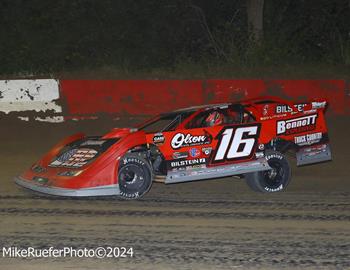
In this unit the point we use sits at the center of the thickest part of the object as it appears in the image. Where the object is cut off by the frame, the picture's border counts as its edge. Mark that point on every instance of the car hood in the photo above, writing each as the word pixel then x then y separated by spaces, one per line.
pixel 119 132
pixel 81 152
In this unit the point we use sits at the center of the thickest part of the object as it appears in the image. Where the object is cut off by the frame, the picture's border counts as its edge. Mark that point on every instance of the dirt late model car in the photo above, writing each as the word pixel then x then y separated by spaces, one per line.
pixel 247 139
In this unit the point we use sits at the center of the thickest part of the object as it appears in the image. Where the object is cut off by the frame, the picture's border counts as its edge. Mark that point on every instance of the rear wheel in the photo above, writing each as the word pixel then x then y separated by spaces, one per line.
pixel 274 180
pixel 134 176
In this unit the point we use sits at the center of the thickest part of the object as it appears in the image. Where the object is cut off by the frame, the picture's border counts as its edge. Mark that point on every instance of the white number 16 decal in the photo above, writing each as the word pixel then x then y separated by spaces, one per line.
pixel 236 143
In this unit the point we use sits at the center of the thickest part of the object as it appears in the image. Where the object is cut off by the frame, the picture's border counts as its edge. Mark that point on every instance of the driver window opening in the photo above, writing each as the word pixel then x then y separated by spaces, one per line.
pixel 216 117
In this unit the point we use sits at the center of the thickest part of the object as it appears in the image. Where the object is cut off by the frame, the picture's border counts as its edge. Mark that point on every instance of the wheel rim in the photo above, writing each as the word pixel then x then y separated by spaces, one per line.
pixel 274 177
pixel 131 177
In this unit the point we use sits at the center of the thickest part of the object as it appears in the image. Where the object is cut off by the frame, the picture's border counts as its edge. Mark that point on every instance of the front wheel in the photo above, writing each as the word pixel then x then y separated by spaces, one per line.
pixel 276 179
pixel 134 176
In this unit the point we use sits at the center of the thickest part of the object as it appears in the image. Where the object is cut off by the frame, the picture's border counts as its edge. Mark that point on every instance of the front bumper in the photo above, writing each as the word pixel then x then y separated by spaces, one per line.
pixel 107 190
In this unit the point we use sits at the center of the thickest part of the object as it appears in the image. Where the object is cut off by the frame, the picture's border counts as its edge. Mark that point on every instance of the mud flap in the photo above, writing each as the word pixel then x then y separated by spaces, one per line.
pixel 314 154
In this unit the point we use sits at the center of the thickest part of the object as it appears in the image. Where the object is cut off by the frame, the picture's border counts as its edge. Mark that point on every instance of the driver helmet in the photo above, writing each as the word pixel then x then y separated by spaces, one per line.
pixel 214 119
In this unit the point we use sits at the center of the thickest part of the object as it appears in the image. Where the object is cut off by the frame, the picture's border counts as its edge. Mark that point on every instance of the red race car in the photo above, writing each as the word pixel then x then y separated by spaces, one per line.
pixel 246 139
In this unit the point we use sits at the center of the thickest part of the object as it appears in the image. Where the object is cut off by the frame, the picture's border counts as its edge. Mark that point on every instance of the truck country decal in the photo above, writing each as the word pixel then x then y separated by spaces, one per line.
pixel 296 125
pixel 308 139
pixel 236 143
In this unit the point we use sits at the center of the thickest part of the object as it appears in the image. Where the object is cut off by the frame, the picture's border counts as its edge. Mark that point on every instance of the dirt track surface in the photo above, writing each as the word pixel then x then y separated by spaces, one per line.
pixel 201 225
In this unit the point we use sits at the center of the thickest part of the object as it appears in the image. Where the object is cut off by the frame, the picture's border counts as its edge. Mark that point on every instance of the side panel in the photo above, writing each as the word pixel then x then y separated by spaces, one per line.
pixel 200 153
pixel 304 127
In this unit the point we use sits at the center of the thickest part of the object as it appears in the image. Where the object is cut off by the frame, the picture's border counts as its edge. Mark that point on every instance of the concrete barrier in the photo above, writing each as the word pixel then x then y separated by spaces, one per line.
pixel 29 95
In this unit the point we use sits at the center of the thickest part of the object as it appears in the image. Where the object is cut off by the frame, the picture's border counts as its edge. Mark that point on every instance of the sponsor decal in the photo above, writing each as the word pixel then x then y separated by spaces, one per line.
pixel 308 138
pixel 237 143
pixel 207 150
pixel 272 116
pixel 93 142
pixel 130 195
pixel 196 167
pixel 194 152
pixel 285 108
pixel 178 169
pixel 318 105
pixel 280 187
pixel 296 125
pixel 259 154
pixel 187 162
pixel 314 150
pixel 178 155
pixel 265 109
pixel 268 157
pixel 75 158
pixel 158 138
pixel 182 140
pixel 133 160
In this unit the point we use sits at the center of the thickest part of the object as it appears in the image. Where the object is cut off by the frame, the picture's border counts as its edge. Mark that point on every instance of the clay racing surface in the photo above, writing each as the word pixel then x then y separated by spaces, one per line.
pixel 201 225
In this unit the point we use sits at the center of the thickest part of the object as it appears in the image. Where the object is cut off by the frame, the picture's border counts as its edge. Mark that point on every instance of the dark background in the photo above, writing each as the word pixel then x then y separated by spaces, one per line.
pixel 40 36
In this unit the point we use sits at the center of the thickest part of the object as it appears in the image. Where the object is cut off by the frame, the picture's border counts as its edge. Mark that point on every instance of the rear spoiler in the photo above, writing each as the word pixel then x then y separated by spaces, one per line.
pixel 315 104
pixel 268 105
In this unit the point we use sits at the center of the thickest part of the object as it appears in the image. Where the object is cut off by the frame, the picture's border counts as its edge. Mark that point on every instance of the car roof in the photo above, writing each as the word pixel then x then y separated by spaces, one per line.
pixel 247 102
pixel 207 106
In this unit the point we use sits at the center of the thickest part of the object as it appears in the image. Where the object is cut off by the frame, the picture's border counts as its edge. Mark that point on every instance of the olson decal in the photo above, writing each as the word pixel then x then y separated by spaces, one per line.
pixel 181 140
pixel 236 143
pixel 296 125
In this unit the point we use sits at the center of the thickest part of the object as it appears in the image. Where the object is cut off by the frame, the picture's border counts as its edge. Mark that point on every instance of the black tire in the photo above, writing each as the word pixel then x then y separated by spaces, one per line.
pixel 273 180
pixel 135 176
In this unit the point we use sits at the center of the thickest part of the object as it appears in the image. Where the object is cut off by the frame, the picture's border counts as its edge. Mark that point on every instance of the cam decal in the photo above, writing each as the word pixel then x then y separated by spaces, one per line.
pixel 158 138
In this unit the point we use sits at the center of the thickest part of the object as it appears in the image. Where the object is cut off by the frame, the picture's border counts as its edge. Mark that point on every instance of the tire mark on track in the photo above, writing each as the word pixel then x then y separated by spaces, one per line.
pixel 167 214
pixel 281 251
pixel 272 205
